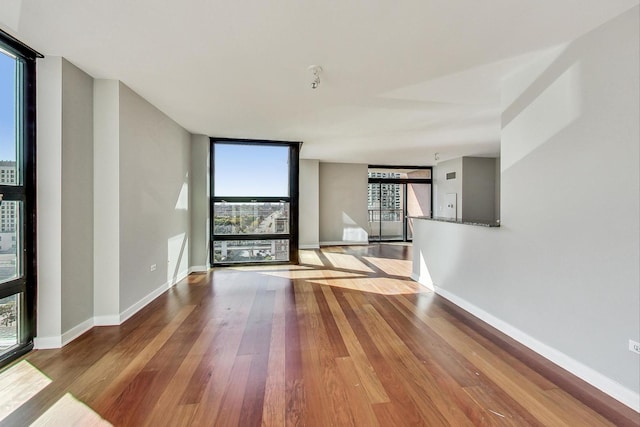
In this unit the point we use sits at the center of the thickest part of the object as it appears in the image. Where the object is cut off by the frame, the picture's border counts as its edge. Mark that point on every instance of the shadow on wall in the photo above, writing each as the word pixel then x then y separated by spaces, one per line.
pixel 553 98
pixel 351 231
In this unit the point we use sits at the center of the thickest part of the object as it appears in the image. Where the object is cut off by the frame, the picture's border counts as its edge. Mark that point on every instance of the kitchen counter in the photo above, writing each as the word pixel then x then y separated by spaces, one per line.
pixel 479 223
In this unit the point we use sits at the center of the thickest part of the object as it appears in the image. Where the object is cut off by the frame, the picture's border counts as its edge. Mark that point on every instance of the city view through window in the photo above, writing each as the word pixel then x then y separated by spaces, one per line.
pixel 246 219
pixel 9 210
pixel 394 196
pixel 252 206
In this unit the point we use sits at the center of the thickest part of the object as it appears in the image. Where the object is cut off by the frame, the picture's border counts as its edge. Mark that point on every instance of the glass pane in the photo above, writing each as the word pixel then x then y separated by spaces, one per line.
pixel 241 251
pixel 251 170
pixel 9 316
pixel 9 240
pixel 374 212
pixel 418 203
pixel 251 218
pixel 386 213
pixel 391 211
pixel 8 124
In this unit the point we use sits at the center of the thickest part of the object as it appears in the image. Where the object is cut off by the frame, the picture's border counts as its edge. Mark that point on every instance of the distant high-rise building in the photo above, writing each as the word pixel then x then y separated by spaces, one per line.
pixel 386 197
pixel 8 209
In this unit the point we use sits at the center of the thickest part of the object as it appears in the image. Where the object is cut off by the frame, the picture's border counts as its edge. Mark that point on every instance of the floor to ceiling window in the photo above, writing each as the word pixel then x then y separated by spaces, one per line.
pixel 395 195
pixel 254 201
pixel 17 198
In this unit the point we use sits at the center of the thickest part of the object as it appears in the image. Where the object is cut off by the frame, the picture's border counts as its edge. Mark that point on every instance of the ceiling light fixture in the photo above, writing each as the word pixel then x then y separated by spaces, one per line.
pixel 316 70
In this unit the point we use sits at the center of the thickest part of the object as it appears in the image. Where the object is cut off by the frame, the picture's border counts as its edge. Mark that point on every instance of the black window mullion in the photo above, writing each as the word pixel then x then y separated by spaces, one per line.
pixel 12 287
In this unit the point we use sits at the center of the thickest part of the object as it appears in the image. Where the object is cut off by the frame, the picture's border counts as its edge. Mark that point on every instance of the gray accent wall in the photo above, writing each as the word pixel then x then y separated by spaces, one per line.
pixel 443 186
pixel 106 171
pixel 154 198
pixel 479 188
pixel 199 182
pixel 309 223
pixel 343 203
pixel 113 200
pixel 64 199
pixel 49 201
pixel 561 273
pixel 77 196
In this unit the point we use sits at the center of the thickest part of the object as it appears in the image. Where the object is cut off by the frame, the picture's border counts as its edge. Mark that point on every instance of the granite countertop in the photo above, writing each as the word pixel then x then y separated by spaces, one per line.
pixel 479 223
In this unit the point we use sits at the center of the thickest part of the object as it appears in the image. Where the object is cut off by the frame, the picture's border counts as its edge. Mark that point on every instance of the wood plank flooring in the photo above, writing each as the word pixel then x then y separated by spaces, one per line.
pixel 343 339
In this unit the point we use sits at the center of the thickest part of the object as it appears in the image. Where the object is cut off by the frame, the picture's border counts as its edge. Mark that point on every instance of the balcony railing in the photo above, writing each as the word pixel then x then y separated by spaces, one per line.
pixel 386 215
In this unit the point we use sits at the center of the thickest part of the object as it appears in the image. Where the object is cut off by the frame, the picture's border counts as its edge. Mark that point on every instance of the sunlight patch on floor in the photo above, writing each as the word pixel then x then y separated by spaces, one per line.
pixel 310 257
pixel 68 411
pixel 347 262
pixel 376 285
pixel 392 267
pixel 18 384
pixel 312 274
pixel 260 268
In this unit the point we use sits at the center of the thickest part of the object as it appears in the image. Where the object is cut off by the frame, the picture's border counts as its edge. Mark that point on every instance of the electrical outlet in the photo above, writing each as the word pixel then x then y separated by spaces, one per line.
pixel 634 346
pixel 153 267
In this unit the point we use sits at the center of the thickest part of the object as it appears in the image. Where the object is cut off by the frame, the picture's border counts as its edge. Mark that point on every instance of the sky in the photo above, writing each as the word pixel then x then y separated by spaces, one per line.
pixel 251 170
pixel 7 107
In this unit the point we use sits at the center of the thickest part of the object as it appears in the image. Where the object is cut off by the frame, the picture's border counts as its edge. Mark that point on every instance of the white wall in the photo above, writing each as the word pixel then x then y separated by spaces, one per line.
pixel 561 273
pixel 199 181
pixel 443 186
pixel 497 174
pixel 65 201
pixel 343 203
pixel 49 201
pixel 154 199
pixel 309 202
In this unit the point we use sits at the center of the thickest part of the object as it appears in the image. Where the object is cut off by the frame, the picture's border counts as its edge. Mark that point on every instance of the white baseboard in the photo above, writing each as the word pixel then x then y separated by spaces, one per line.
pixel 144 301
pixel 345 243
pixel 141 303
pixel 44 343
pixel 108 320
pixel 198 269
pixel 76 331
pixel 427 283
pixel 316 246
pixel 596 379
pixel 59 341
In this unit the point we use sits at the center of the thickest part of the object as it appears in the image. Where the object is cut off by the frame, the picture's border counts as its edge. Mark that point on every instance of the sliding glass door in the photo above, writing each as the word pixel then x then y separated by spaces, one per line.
pixel 386 211
pixel 254 206
pixel 17 198
pixel 396 194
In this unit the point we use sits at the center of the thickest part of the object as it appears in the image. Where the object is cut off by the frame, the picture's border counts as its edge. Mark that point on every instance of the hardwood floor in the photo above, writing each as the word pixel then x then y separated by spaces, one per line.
pixel 343 339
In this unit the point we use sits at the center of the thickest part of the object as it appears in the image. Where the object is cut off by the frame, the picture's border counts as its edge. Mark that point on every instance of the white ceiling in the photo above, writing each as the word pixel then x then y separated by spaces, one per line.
pixel 401 80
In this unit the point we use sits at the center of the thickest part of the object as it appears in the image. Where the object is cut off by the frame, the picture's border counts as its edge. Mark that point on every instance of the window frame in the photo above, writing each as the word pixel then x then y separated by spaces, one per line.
pixel 23 190
pixel 404 182
pixel 292 199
